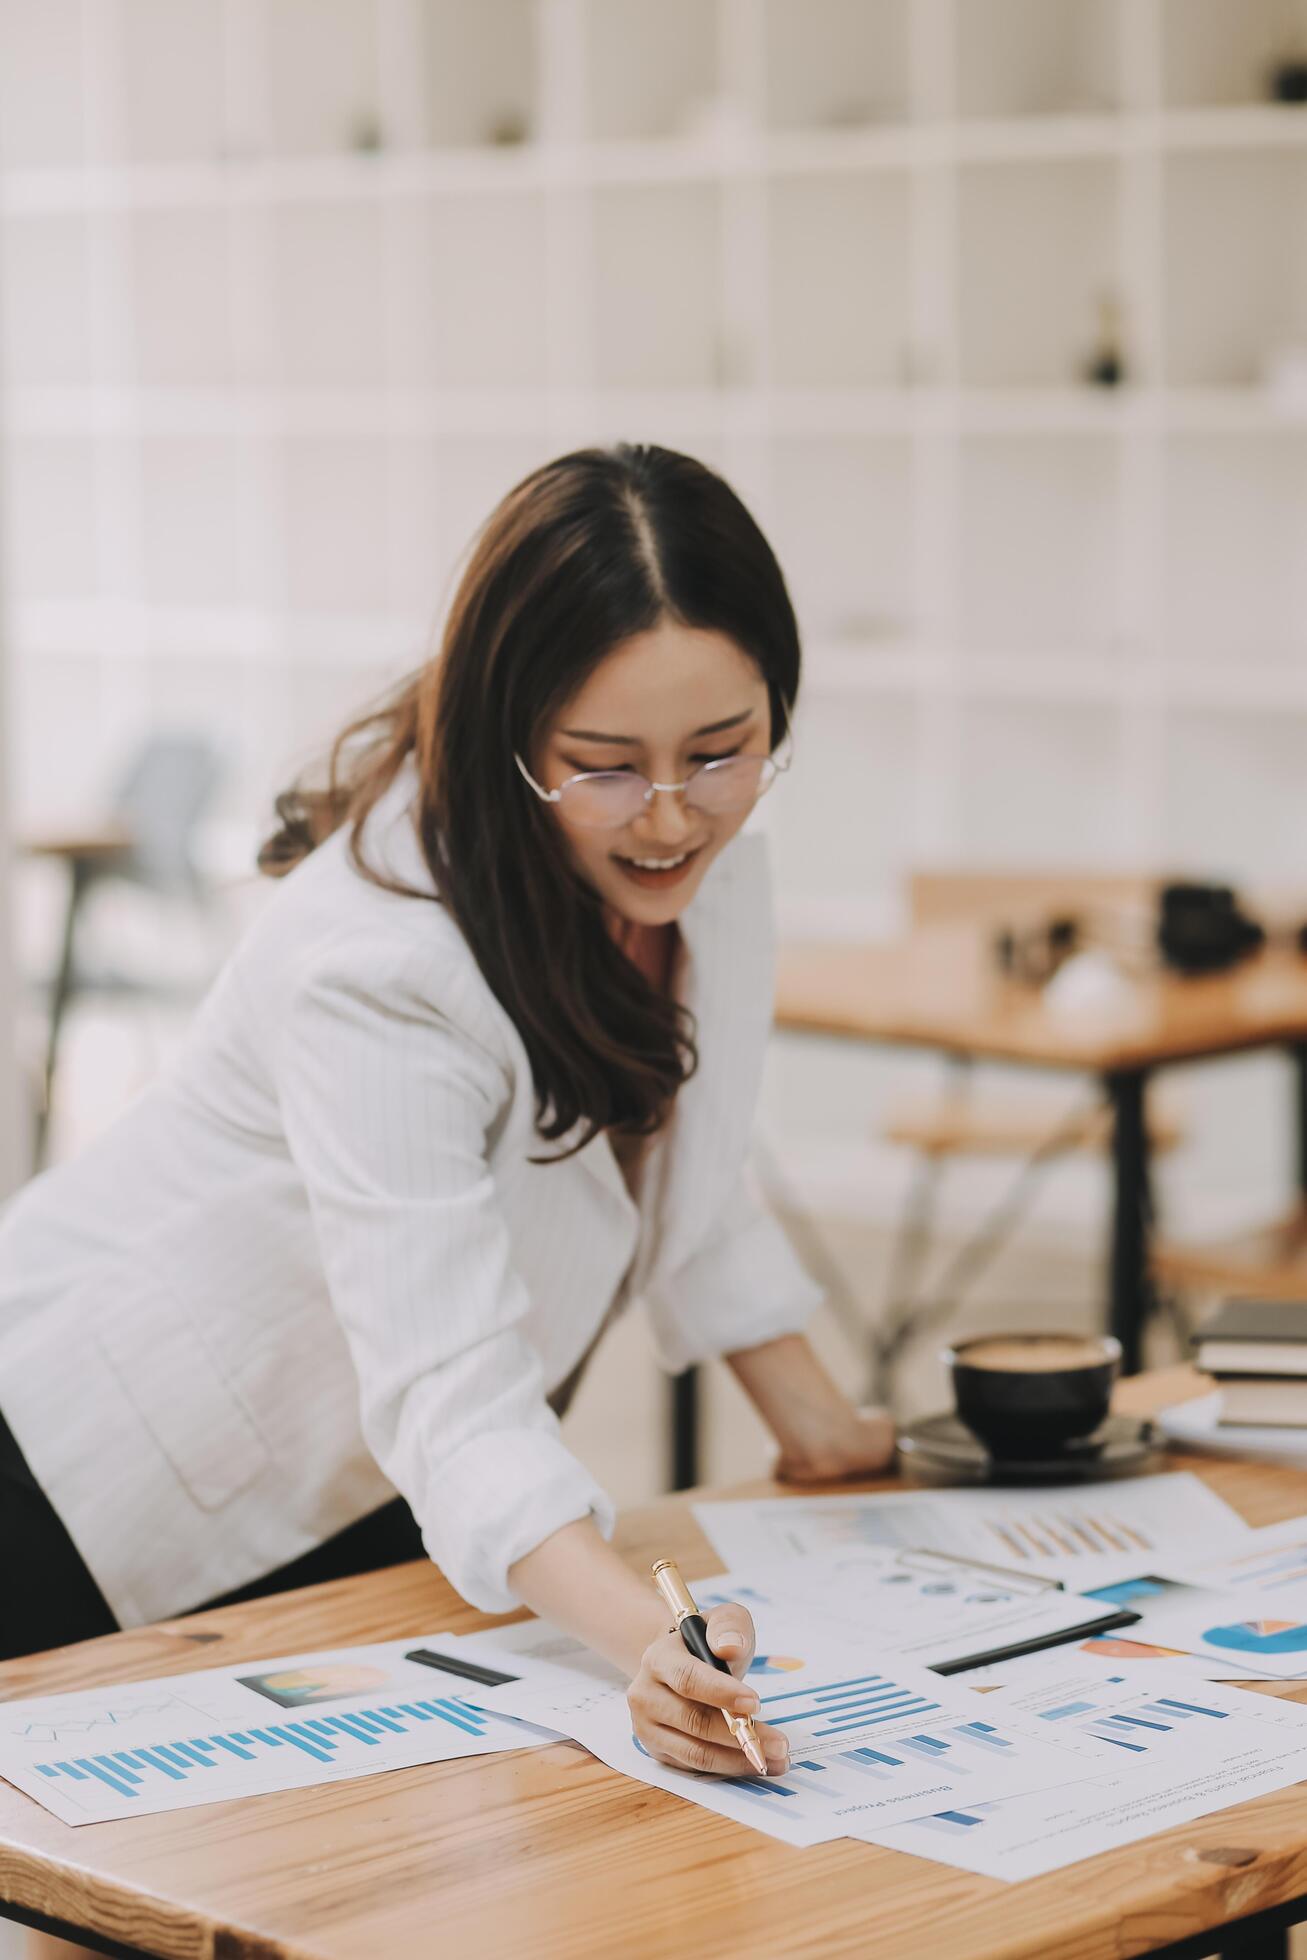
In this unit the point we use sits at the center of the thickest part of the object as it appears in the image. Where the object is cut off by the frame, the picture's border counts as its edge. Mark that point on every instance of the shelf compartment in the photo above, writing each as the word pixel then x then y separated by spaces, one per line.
pixel 843 530
pixel 1038 253
pixel 190 496
pixel 836 64
pixel 182 292
pixel 841 819
pixel 1040 783
pixel 1039 544
pixel 1214 53
pixel 327 296
pixel 479 73
pixel 1233 804
pixel 840 281
pixel 652 71
pixel 42 117
pixel 1235 564
pixel 1037 58
pixel 1236 211
pixel 483 314
pixel 330 101
pixel 170 80
pixel 51 503
pixel 658 309
pixel 49 325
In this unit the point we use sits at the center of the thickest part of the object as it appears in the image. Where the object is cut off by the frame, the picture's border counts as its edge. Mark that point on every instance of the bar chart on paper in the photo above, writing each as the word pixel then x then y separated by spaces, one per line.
pixel 222 1734
pixel 1141 1729
pixel 332 1739
pixel 877 1745
pixel 1036 1531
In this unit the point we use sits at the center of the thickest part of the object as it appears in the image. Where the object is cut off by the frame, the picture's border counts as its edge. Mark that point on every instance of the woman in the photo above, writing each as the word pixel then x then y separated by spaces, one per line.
pixel 484 1068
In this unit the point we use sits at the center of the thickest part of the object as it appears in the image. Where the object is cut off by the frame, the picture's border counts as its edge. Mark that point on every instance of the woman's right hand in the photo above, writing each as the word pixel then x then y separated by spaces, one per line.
pixel 676 1701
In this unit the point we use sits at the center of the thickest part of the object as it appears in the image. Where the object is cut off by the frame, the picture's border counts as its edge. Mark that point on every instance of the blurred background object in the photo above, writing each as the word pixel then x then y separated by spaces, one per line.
pixel 992 310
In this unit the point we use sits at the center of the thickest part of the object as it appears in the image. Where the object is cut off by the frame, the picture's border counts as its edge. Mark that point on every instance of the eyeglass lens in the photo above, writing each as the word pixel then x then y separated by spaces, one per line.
pixel 611 798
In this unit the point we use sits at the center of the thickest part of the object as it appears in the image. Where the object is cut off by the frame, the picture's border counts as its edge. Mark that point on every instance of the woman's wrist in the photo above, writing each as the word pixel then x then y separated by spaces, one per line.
pixel 577 1581
pixel 822 1435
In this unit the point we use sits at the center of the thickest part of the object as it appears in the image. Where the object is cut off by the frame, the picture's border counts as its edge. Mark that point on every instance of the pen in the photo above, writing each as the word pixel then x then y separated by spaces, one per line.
pixel 693 1629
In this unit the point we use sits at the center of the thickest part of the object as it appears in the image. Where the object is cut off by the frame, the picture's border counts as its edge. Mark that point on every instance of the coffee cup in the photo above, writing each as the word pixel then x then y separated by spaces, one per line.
pixel 1031 1395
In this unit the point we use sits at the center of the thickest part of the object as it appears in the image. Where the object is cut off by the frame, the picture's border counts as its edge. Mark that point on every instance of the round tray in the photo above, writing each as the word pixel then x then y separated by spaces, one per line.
pixel 941 1447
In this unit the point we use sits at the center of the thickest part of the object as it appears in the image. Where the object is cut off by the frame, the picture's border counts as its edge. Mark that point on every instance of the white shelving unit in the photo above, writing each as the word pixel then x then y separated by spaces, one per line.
pixel 294 289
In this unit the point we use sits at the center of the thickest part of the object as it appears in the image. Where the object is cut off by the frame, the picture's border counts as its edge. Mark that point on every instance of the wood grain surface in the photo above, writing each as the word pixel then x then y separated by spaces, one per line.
pixel 939 987
pixel 548 1853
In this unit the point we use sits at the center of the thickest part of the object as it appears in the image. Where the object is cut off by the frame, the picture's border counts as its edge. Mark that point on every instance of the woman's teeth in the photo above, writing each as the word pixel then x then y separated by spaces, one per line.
pixel 657 872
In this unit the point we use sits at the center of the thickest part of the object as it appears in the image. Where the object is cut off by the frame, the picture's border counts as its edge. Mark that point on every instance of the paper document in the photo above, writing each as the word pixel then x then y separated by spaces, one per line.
pixel 1183 1752
pixel 1233 1629
pixel 868 1739
pixel 1270 1560
pixel 144 1746
pixel 931 1610
pixel 1081 1536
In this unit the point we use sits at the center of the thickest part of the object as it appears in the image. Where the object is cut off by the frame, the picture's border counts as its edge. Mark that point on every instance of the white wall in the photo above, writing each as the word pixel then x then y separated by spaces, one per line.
pixel 297 288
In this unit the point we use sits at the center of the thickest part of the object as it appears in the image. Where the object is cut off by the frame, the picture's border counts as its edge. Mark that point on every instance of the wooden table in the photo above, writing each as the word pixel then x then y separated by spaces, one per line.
pixel 547 1853
pixel 940 987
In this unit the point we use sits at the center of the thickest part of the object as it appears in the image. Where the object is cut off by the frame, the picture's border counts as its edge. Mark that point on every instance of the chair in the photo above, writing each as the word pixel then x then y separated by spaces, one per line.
pixel 149 842
pixel 960 1122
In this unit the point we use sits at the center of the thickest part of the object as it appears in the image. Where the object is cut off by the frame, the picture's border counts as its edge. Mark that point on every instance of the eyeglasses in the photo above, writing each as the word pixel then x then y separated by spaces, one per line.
pixel 605 799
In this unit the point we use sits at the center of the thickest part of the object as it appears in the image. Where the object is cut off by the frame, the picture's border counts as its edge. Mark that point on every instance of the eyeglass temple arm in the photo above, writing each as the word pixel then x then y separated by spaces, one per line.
pixel 546 795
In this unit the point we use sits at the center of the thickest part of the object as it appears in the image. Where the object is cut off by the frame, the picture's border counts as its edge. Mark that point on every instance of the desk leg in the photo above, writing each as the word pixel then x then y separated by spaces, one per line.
pixel 1130 1289
pixel 684 1466
pixel 1298 1057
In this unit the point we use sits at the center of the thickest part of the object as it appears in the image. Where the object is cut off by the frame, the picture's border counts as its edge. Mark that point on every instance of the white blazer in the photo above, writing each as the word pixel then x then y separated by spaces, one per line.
pixel 311 1264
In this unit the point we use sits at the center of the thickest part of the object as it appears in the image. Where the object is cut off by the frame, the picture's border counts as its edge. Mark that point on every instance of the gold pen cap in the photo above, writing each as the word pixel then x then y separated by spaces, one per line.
pixel 673 1589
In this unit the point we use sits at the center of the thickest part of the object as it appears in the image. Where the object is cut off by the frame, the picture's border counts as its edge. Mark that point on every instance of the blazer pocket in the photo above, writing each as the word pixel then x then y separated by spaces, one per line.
pixel 188 1406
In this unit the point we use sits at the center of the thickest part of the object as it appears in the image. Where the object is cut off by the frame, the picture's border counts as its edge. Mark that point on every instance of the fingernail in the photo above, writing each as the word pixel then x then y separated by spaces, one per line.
pixel 726 1640
pixel 747 1704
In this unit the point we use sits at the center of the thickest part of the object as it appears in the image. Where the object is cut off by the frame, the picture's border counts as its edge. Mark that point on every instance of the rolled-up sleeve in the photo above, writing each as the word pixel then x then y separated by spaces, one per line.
pixel 743 1286
pixel 387 1101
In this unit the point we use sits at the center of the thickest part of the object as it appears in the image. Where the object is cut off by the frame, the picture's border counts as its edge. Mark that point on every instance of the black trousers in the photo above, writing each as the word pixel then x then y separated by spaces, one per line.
pixel 49 1599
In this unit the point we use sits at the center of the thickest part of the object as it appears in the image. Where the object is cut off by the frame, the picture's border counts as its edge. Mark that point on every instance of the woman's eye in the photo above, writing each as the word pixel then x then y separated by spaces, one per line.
pixel 724 757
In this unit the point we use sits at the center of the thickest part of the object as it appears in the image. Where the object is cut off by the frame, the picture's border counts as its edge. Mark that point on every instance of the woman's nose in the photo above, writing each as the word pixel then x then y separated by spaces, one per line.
pixel 665 818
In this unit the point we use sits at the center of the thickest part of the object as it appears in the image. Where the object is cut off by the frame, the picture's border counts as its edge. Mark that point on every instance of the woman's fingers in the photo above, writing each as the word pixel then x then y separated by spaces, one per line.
pixel 681 1751
pixel 672 1663
pixel 730 1634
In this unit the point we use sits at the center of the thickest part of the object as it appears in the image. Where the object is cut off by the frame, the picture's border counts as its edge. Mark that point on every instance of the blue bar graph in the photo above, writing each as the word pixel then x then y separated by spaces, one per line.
pixel 326 1739
pixel 1067 1708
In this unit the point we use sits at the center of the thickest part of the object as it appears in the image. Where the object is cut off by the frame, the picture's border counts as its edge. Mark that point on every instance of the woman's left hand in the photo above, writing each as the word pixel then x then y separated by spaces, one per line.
pixel 861 1447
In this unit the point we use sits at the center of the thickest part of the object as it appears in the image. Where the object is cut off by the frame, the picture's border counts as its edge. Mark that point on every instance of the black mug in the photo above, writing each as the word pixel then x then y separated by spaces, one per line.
pixel 1027 1396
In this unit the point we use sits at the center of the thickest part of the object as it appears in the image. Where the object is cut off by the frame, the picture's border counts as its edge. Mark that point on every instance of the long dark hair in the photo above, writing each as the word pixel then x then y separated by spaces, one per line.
pixel 584 553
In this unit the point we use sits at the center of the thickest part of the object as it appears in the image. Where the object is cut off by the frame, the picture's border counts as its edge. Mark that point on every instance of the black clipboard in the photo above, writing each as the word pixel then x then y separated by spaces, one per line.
pixel 1097 1619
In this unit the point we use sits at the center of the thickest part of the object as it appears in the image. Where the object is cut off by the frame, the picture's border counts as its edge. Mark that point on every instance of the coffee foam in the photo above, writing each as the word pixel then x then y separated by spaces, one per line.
pixel 1035 1354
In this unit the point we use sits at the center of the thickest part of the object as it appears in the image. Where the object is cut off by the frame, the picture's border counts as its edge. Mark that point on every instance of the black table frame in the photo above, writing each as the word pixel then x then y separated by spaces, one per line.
pixel 1261 1936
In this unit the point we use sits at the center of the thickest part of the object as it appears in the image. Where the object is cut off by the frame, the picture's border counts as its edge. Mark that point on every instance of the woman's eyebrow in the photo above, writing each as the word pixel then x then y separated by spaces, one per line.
pixel 633 741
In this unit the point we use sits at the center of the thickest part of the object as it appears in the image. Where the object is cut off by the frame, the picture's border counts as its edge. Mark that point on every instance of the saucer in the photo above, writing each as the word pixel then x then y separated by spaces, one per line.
pixel 941 1447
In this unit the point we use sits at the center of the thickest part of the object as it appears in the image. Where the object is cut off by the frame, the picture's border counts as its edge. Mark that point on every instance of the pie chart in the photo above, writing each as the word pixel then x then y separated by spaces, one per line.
pixel 1261 1636
pixel 774 1664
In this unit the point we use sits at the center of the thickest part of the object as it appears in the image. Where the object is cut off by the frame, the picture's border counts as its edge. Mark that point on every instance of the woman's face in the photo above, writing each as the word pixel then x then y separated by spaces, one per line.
pixel 661 704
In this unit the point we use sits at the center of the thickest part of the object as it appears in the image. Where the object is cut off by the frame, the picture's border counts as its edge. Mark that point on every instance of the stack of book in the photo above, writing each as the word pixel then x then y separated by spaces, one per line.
pixel 1257 1352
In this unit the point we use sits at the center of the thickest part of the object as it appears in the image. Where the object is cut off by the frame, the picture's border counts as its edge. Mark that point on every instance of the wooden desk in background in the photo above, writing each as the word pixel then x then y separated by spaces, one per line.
pixel 547 1853
pixel 939 987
